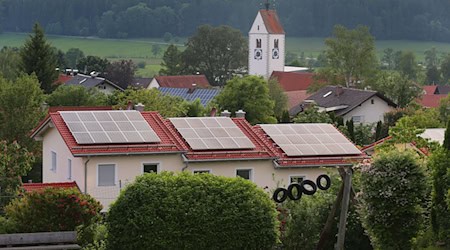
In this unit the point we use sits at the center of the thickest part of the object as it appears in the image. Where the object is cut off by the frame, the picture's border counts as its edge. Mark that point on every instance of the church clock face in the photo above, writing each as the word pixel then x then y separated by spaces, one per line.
pixel 258 54
pixel 275 53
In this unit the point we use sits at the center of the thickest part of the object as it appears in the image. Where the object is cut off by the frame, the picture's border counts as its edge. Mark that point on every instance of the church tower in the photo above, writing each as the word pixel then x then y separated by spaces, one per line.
pixel 266 44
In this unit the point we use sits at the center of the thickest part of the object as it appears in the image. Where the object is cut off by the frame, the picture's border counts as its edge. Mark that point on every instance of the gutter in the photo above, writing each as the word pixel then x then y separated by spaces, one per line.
pixel 85 174
pixel 186 162
pixel 127 154
pixel 185 159
pixel 278 166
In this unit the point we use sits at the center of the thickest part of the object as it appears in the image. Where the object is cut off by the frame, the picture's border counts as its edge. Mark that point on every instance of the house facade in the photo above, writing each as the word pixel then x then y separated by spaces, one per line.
pixel 102 151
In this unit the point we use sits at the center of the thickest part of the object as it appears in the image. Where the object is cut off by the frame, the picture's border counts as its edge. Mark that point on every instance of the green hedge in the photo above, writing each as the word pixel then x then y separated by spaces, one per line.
pixel 186 211
pixel 52 209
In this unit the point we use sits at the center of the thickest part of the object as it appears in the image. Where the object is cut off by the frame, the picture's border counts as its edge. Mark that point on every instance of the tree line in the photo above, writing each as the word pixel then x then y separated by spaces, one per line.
pixel 387 19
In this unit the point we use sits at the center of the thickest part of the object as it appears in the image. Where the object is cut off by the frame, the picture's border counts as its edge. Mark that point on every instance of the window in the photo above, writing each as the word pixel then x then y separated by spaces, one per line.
pixel 150 168
pixel 202 171
pixel 296 179
pixel 53 167
pixel 106 175
pixel 244 173
pixel 258 27
pixel 372 101
pixel 358 119
pixel 69 169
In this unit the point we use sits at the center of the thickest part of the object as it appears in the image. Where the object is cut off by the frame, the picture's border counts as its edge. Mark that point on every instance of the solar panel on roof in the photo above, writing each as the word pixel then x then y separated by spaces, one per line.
pixel 309 139
pixel 210 133
pixel 100 127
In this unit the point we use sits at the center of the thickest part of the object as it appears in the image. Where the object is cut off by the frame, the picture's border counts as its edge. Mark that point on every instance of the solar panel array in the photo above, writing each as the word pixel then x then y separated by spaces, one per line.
pixel 205 95
pixel 310 139
pixel 434 134
pixel 99 127
pixel 208 133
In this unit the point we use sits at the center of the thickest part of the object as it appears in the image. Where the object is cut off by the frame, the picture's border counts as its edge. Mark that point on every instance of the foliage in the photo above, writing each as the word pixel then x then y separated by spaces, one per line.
pixel 92 236
pixel 405 63
pixel 279 97
pixel 216 52
pixel 439 164
pixel 37 57
pixel 20 109
pixel 182 211
pixel 251 94
pixel 52 209
pixel 9 63
pixel 171 64
pixel 196 109
pixel 444 109
pixel 445 68
pixel 93 63
pixel 75 95
pixel 350 129
pixel 392 189
pixel 121 72
pixel 153 99
pixel 6 226
pixel 363 134
pixel 73 56
pixel 15 161
pixel 446 143
pixel 351 53
pixel 312 115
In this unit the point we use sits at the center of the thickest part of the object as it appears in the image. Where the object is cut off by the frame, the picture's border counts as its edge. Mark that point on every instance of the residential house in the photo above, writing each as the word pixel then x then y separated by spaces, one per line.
pixel 140 82
pixel 191 94
pixel 94 81
pixel 31 187
pixel 185 81
pixel 432 95
pixel 104 150
pixel 363 106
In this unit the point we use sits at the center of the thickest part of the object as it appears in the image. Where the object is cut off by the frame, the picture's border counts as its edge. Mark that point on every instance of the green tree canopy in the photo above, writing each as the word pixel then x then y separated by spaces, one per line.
pixel 171 64
pixel 73 56
pixel 75 95
pixel 9 63
pixel 93 63
pixel 312 115
pixel 38 57
pixel 121 72
pixel 406 64
pixel 279 97
pixel 351 53
pixel 216 52
pixel 251 94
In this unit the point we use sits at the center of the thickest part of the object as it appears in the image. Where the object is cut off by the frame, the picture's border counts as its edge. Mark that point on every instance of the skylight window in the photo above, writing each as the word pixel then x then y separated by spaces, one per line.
pixel 327 94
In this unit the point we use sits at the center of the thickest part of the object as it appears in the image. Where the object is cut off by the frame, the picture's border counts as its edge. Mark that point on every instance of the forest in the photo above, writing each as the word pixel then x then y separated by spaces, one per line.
pixel 387 19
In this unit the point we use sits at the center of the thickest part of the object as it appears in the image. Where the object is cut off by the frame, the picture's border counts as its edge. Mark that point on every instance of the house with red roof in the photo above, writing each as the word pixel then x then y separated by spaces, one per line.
pixel 104 150
pixel 33 187
pixel 184 81
pixel 432 95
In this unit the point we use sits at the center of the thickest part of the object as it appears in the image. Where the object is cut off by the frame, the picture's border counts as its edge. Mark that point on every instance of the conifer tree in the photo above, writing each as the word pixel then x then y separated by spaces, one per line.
pixel 38 57
pixel 446 144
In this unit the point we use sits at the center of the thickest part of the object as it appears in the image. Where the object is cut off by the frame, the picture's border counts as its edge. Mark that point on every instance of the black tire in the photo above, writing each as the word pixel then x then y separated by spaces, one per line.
pixel 299 191
pixel 311 184
pixel 319 183
pixel 277 192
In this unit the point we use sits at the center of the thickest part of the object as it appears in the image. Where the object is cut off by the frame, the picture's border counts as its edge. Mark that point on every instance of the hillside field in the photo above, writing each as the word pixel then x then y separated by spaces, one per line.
pixel 140 50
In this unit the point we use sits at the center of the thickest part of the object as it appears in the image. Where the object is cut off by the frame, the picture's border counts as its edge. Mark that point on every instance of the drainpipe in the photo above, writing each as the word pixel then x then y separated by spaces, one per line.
pixel 186 162
pixel 85 174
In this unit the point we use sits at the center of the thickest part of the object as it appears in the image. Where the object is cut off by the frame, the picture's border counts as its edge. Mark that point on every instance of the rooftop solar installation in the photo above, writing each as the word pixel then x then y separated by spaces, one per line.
pixel 309 139
pixel 434 134
pixel 100 127
pixel 204 95
pixel 208 133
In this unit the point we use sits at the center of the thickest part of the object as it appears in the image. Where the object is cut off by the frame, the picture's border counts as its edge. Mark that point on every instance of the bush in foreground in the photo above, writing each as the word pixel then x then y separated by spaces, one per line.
pixel 186 211
pixel 52 209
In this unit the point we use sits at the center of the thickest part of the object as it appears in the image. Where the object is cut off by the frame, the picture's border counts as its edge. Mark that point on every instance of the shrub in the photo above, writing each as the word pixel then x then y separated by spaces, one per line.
pixel 92 236
pixel 392 190
pixel 186 211
pixel 52 209
pixel 6 226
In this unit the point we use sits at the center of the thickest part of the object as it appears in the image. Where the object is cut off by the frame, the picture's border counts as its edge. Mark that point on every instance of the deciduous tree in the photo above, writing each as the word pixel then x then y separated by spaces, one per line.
pixel 93 63
pixel 172 63
pixel 312 115
pixel 121 72
pixel 74 95
pixel 216 52
pixel 280 99
pixel 251 94
pixel 405 63
pixel 9 63
pixel 38 57
pixel 73 56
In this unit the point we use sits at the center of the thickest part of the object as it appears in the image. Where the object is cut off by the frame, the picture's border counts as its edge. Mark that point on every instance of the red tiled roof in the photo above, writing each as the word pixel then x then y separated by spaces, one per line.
pixel 168 141
pixel 429 89
pixel 430 101
pixel 293 81
pixel 370 146
pixel 30 187
pixel 77 108
pixel 296 97
pixel 272 22
pixel 63 78
pixel 183 81
pixel 261 151
pixel 306 161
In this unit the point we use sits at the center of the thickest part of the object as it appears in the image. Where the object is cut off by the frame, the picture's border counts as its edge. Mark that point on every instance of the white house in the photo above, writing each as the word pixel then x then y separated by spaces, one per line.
pixel 363 106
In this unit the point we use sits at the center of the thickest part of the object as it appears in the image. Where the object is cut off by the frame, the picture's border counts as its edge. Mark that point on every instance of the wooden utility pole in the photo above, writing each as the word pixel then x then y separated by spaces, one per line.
pixel 344 208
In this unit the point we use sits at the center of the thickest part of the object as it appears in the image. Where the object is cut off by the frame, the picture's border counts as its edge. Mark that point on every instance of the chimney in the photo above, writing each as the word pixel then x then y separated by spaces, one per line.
pixel 240 113
pixel 129 105
pixel 139 107
pixel 225 113
pixel 94 74
pixel 75 72
pixel 213 112
pixel 30 181
pixel 192 88
pixel 339 90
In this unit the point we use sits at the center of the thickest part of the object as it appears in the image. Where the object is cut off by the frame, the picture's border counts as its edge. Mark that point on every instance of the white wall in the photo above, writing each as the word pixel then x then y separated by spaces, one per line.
pixel 276 64
pixel 372 112
pixel 153 84
pixel 106 88
pixel 53 142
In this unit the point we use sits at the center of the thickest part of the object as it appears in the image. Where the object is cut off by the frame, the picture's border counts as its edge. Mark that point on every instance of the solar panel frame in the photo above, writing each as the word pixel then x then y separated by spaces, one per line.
pixel 212 133
pixel 310 139
pixel 100 127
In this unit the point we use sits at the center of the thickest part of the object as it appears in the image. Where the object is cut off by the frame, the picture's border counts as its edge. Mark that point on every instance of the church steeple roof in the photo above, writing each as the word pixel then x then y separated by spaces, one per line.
pixel 271 21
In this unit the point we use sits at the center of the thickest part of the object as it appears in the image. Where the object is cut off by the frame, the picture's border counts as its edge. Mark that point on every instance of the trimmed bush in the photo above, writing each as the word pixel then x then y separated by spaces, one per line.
pixel 186 211
pixel 52 209
pixel 392 191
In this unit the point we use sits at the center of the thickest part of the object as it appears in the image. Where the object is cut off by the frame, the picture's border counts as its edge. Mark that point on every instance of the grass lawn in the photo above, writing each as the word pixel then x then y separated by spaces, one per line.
pixel 140 50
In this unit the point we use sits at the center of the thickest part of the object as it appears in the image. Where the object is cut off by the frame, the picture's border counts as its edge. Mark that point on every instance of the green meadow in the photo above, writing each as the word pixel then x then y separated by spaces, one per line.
pixel 140 50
